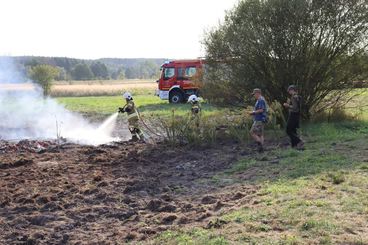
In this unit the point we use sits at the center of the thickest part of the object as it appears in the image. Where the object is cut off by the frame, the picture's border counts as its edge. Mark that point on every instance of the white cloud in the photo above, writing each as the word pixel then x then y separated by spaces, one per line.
pixel 108 28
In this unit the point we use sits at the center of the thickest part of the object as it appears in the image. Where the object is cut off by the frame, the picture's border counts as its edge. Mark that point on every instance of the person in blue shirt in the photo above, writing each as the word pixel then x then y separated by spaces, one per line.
pixel 259 119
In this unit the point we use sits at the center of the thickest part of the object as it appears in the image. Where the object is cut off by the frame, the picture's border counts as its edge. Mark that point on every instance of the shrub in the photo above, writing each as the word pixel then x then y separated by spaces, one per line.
pixel 317 45
pixel 223 126
pixel 44 75
pixel 337 178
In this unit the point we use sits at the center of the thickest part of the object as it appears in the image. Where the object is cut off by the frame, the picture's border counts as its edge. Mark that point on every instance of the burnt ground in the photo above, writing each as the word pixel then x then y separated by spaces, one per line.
pixel 126 192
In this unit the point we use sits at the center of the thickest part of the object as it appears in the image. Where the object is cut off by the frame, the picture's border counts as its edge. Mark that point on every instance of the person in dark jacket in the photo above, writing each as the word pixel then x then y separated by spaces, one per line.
pixel 294 104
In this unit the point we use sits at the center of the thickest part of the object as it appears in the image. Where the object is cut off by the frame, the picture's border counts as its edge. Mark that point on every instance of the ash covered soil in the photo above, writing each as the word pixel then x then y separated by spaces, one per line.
pixel 113 194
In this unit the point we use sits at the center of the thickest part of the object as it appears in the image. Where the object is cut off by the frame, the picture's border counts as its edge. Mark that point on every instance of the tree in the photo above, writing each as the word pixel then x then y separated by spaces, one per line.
pixel 132 73
pixel 63 75
pixel 99 70
pixel 148 69
pixel 44 75
pixel 119 74
pixel 274 43
pixel 82 71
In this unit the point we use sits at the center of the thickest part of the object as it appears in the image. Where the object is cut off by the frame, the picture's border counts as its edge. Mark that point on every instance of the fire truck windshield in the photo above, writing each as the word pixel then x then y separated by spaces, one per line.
pixel 190 71
pixel 169 72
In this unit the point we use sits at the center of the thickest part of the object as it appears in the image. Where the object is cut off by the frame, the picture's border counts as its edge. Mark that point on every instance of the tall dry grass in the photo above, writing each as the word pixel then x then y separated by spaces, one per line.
pixel 102 88
pixel 16 87
pixel 219 127
pixel 90 88
pixel 91 82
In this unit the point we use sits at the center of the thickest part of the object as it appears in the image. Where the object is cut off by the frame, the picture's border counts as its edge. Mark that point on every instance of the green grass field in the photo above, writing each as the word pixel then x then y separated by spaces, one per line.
pixel 147 104
pixel 317 196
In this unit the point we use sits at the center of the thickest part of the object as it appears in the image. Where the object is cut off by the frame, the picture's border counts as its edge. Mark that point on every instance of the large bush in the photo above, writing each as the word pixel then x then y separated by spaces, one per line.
pixel 44 75
pixel 315 44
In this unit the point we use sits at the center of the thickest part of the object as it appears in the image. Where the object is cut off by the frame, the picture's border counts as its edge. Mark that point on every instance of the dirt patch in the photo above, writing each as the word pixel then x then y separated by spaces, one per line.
pixel 123 192
pixel 15 164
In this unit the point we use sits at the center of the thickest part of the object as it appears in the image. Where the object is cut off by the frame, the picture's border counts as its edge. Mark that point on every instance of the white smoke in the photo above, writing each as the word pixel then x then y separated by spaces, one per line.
pixel 25 114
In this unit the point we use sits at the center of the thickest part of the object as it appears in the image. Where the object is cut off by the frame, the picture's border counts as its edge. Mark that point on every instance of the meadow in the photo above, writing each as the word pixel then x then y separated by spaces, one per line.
pixel 102 88
pixel 147 104
pixel 100 96
pixel 316 196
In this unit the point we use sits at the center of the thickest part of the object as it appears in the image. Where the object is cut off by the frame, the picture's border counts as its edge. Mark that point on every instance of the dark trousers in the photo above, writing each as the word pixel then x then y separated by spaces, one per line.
pixel 291 128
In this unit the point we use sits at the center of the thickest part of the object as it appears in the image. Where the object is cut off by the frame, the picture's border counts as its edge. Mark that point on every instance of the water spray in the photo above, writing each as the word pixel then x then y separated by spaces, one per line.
pixel 26 114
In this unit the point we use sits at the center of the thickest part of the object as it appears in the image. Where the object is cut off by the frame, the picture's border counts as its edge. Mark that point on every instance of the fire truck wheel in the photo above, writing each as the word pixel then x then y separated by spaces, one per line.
pixel 176 97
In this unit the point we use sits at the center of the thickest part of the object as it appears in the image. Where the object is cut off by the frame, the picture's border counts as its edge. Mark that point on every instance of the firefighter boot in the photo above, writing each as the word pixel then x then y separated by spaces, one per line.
pixel 134 138
pixel 134 134
pixel 140 134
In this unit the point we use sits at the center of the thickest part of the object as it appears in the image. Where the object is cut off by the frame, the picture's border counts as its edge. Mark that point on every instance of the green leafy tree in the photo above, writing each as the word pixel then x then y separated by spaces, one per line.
pixel 44 75
pixel 132 72
pixel 99 70
pixel 148 69
pixel 119 74
pixel 143 70
pixel 82 71
pixel 63 75
pixel 274 43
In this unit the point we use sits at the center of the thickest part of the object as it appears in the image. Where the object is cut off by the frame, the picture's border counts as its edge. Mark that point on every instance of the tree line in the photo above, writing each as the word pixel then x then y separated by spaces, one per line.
pixel 104 69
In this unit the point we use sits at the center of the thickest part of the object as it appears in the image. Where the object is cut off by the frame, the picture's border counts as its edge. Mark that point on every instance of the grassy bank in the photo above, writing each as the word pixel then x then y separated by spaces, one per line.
pixel 318 196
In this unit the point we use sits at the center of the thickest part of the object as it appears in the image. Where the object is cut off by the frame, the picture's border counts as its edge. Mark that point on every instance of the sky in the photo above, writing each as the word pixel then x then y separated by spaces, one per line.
pixel 93 29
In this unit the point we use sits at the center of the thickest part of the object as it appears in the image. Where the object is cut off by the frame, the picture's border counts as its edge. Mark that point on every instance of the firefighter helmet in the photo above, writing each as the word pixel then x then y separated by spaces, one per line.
pixel 292 87
pixel 127 96
pixel 193 98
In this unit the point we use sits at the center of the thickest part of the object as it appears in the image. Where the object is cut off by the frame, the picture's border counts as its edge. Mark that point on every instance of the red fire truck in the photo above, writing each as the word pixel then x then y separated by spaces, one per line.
pixel 178 80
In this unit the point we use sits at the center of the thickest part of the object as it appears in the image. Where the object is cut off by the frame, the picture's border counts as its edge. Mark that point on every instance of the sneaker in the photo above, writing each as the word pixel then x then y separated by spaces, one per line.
pixel 300 146
pixel 260 148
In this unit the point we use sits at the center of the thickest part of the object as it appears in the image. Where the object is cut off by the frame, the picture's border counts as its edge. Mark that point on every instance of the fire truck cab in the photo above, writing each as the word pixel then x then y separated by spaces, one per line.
pixel 177 80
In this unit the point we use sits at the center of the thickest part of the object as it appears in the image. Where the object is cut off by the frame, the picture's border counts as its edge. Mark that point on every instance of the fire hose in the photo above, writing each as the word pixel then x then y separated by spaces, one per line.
pixel 121 110
pixel 145 125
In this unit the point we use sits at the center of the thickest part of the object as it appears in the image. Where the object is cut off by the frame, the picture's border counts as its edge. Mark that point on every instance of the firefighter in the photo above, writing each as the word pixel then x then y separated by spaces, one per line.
pixel 133 117
pixel 293 123
pixel 196 109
